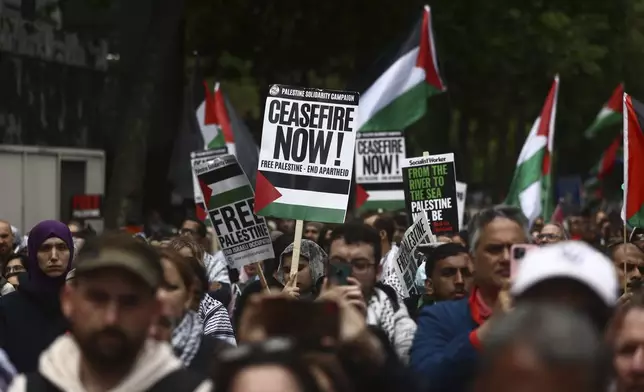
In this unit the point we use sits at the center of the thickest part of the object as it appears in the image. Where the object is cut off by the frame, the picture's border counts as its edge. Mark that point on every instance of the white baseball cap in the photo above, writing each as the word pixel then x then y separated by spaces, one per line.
pixel 570 259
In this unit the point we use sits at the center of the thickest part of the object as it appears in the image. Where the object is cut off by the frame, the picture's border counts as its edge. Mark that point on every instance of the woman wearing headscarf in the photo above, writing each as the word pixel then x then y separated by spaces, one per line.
pixel 310 270
pixel 30 317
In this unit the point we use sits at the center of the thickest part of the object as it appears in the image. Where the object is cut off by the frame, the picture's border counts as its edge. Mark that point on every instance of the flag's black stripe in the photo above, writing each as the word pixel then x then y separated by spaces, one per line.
pixel 307 183
pixel 221 174
pixel 639 110
pixel 380 186
pixel 401 45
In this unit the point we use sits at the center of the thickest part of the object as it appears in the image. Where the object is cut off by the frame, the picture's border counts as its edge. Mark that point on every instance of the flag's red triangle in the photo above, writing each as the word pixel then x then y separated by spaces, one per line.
pixel 265 192
pixel 616 101
pixel 634 157
pixel 427 55
pixel 210 117
pixel 361 196
pixel 206 192
pixel 222 116
pixel 546 118
pixel 201 213
pixel 610 156
pixel 558 215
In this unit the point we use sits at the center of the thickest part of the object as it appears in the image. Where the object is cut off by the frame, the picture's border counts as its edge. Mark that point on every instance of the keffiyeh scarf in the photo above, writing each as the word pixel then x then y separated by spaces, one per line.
pixel 186 337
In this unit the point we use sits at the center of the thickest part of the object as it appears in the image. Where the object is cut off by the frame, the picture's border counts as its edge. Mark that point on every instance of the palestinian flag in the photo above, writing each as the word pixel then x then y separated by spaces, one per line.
pixel 633 162
pixel 611 113
pixel 210 122
pixel 398 98
pixel 225 185
pixel 232 132
pixel 602 169
pixel 531 187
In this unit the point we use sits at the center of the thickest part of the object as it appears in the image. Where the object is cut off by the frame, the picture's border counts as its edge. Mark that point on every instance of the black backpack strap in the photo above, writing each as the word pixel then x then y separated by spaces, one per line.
pixel 178 380
pixel 37 383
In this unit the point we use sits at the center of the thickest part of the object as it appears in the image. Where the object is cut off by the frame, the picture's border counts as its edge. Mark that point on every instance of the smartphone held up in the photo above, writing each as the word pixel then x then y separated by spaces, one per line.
pixel 518 253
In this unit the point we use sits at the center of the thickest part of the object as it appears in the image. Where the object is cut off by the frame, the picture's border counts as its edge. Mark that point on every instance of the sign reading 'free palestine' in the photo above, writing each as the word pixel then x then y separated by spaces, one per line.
pixel 430 187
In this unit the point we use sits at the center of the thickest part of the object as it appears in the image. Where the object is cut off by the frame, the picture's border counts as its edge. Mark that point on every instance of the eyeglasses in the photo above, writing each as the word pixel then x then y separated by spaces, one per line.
pixel 358 265
pixel 548 236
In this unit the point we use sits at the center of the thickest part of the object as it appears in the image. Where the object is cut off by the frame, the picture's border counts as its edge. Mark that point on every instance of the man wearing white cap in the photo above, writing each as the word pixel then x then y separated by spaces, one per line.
pixel 571 273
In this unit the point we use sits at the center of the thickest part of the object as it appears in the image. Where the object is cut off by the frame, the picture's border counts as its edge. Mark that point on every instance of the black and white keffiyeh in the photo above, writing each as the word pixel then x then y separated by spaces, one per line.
pixel 186 337
pixel 216 320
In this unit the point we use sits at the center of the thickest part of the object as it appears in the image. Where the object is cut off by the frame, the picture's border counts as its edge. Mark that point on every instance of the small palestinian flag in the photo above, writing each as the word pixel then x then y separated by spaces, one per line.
pixel 531 187
pixel 398 98
pixel 611 114
pixel 225 185
pixel 633 162
pixel 605 166
pixel 216 129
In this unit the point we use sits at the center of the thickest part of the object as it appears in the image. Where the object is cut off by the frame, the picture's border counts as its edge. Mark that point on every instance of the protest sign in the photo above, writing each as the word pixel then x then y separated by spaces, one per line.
pixel 406 263
pixel 379 159
pixel 229 197
pixel 430 186
pixel 306 157
pixel 461 196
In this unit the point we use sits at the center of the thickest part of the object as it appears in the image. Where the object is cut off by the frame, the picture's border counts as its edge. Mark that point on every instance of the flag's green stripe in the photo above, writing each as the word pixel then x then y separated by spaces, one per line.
pixel 385 205
pixel 637 220
pixel 231 196
pixel 526 174
pixel 307 213
pixel 605 122
pixel 402 111
pixel 547 197
pixel 218 141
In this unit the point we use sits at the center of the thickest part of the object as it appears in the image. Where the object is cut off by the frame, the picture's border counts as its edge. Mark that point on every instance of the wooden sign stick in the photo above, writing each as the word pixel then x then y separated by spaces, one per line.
pixel 295 261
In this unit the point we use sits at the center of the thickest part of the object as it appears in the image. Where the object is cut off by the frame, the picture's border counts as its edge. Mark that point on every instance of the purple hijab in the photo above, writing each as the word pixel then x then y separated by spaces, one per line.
pixel 39 234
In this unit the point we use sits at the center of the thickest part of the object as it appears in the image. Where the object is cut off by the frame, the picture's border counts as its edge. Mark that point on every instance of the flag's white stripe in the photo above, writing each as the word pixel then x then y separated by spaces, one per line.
pixel 386 195
pixel 312 199
pixel 533 143
pixel 401 77
pixel 605 112
pixel 530 200
pixel 228 184
pixel 208 132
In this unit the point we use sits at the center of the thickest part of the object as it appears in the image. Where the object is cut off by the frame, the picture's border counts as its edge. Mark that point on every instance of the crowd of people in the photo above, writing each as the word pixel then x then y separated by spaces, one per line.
pixel 162 311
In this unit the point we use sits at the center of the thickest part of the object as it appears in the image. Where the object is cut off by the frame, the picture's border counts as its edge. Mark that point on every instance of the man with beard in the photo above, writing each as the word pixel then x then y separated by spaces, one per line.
pixel 111 306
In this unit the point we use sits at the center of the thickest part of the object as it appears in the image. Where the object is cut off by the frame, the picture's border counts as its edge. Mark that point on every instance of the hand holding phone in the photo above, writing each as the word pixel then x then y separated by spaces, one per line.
pixel 339 273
